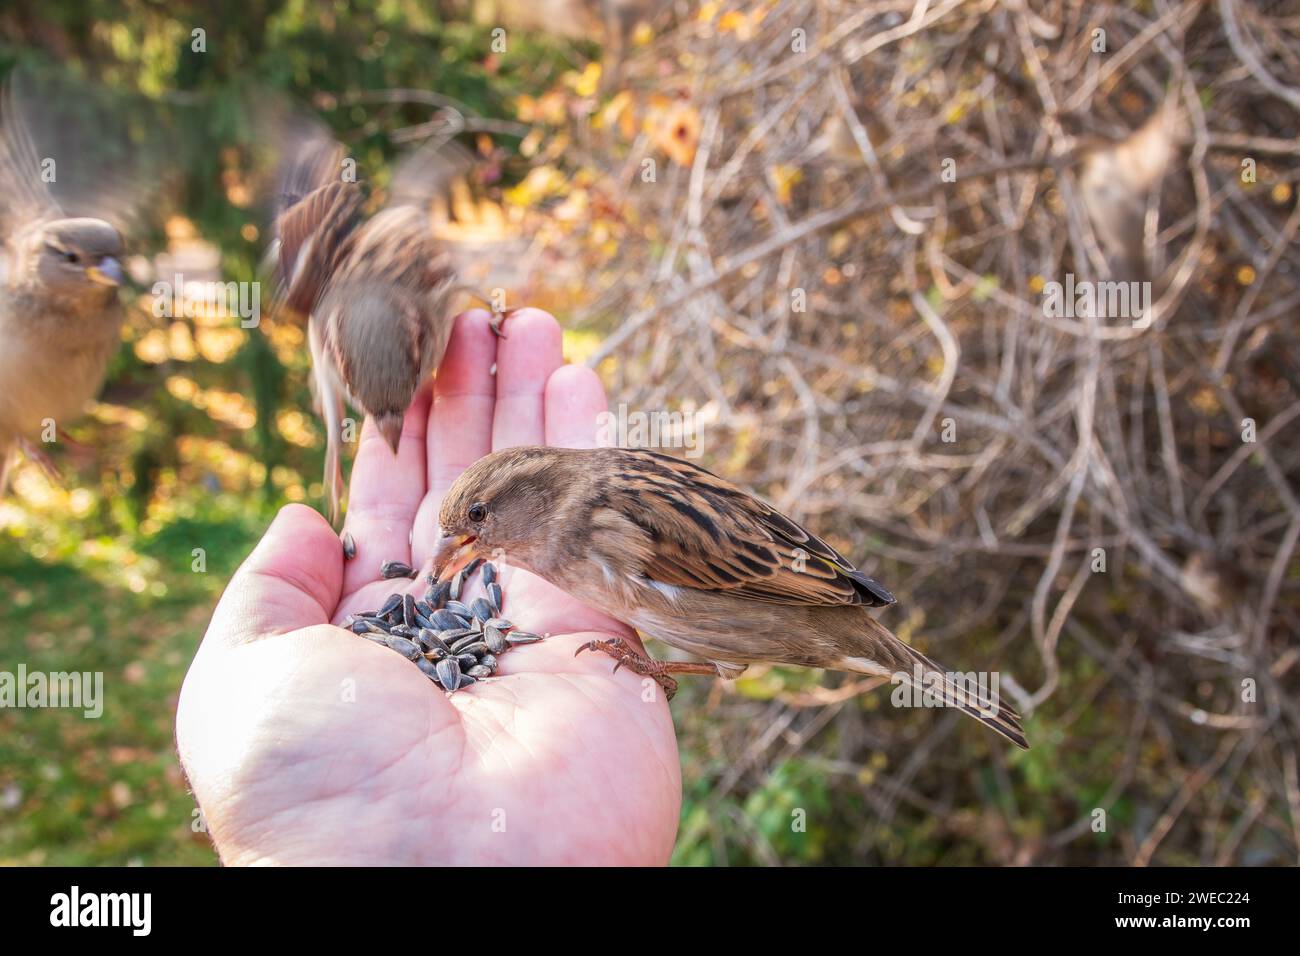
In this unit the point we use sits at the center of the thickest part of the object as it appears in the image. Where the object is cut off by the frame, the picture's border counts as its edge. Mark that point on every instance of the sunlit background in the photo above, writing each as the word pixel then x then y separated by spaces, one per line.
pixel 737 210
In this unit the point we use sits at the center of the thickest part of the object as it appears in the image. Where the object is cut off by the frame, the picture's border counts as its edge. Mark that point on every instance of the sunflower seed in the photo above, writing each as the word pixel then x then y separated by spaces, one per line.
pixel 472 567
pixel 430 670
pixel 432 642
pixel 424 608
pixel 500 623
pixel 457 582
pixel 495 597
pixel 482 609
pixel 407 648
pixel 489 573
pixel 455 634
pixel 396 569
pixel 490 661
pixel 408 610
pixel 494 639
pixel 349 546
pixel 436 595
pixel 478 648
pixel 449 673
pixel 478 670
pixel 466 680
pixel 466 661
pixel 444 620
pixel 370 627
pixel 459 608
pixel 392 604
pixel 405 630
pixel 523 637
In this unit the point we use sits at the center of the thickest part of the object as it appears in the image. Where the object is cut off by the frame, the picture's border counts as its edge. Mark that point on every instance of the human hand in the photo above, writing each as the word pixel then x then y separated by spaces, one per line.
pixel 305 744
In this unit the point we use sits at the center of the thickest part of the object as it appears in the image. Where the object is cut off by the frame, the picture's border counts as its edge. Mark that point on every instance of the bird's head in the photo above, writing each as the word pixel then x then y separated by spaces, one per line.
pixel 504 503
pixel 77 258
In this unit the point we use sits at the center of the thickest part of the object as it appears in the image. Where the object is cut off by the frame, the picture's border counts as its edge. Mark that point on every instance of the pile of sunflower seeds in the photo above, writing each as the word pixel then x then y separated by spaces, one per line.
pixel 453 643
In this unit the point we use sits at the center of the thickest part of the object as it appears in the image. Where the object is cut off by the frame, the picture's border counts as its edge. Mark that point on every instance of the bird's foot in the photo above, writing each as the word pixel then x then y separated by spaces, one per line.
pixel 659 671
pixel 35 454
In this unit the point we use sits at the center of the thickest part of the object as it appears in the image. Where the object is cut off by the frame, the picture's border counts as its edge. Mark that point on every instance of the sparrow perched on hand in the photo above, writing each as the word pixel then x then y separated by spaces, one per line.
pixel 60 318
pixel 376 292
pixel 691 560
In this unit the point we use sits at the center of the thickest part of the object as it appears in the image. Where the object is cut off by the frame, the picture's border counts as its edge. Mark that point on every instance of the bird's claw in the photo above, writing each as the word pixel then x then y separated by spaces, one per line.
pixel 618 649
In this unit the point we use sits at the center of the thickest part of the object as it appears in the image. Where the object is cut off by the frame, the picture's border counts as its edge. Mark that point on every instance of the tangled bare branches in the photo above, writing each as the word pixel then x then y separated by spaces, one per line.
pixel 848 257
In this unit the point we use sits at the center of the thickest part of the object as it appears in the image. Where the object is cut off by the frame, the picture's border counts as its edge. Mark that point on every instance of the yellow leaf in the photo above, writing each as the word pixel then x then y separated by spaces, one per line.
pixel 784 179
pixel 589 82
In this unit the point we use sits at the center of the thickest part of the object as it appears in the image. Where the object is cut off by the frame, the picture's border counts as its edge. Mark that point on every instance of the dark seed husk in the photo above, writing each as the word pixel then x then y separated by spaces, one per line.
pixel 373 627
pixel 467 660
pixel 489 572
pixel 494 639
pixel 430 669
pixel 432 642
pixel 359 627
pixel 466 680
pixel 444 620
pixel 478 649
pixel 457 582
pixel 495 597
pixel 449 673
pixel 482 609
pixel 459 645
pixel 407 648
pixel 392 604
pixel 472 567
pixel 437 594
pixel 396 569
pixel 459 608
pixel 500 623
pixel 425 608
pixel 455 634
pixel 408 610
pixel 349 546
pixel 405 630
pixel 523 637
pixel 490 661
pixel 478 670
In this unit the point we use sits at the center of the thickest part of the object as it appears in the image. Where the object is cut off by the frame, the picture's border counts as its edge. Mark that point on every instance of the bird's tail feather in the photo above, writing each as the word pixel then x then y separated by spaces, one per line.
pixel 941 686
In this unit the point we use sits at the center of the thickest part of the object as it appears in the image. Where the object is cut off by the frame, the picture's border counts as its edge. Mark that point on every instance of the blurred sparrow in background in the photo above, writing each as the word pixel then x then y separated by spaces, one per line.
pixel 60 318
pixel 376 293
pixel 688 559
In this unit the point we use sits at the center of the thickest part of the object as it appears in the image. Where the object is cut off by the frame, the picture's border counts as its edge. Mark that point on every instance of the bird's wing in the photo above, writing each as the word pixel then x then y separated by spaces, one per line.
pixel 25 195
pixel 69 148
pixel 707 534
pixel 313 233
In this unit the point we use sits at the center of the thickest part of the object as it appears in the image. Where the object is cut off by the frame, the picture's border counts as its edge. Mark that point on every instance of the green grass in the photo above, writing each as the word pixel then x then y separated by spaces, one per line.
pixel 82 791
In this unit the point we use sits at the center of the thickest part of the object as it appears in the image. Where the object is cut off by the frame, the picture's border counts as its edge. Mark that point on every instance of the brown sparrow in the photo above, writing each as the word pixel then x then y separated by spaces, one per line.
pixel 691 560
pixel 60 318
pixel 377 291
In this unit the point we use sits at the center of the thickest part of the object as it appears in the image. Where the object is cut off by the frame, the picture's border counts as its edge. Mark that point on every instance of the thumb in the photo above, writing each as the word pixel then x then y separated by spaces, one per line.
pixel 293 579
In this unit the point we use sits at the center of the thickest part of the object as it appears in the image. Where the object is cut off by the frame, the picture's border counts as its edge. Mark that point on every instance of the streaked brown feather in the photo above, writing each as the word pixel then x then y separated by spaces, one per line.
pixel 316 228
pixel 705 533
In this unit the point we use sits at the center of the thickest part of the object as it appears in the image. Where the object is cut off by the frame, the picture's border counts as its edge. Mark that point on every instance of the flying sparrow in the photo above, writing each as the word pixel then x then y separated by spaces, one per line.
pixel 376 292
pixel 60 318
pixel 691 560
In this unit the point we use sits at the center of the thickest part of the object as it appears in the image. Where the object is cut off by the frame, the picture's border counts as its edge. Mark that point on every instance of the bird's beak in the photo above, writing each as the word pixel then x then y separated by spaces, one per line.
pixel 453 552
pixel 108 272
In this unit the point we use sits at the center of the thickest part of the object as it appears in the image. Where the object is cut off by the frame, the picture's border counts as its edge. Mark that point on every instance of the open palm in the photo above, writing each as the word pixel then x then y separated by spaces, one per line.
pixel 306 744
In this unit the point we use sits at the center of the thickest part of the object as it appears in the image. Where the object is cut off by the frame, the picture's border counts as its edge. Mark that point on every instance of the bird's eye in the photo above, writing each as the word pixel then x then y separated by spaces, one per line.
pixel 477 512
pixel 71 257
